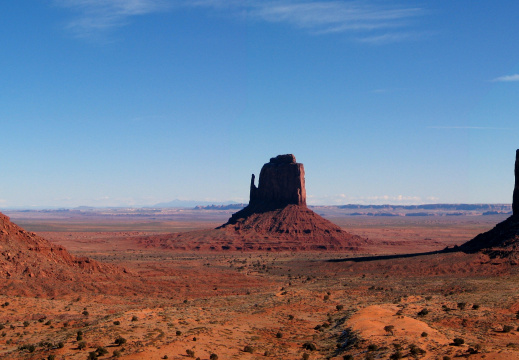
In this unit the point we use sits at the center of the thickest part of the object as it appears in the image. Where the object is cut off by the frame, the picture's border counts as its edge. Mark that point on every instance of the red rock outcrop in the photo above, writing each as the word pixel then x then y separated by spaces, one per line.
pixel 276 218
pixel 281 182
pixel 24 254
pixel 515 204
pixel 503 239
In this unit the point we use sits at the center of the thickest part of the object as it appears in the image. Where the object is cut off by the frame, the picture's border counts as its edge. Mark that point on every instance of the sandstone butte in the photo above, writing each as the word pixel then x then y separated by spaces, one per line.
pixel 503 239
pixel 276 219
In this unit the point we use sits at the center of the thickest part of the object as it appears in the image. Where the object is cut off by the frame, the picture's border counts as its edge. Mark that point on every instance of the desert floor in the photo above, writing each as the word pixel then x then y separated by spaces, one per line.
pixel 381 304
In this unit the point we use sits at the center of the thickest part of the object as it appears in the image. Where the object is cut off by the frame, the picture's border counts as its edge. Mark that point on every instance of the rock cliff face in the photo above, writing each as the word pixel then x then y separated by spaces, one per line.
pixel 281 182
pixel 503 239
pixel 515 204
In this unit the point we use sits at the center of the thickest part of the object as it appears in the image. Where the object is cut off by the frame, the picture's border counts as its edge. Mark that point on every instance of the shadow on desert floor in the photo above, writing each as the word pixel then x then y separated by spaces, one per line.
pixel 389 257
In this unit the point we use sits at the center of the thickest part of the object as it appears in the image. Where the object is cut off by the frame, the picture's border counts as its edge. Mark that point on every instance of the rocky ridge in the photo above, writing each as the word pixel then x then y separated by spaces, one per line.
pixel 25 255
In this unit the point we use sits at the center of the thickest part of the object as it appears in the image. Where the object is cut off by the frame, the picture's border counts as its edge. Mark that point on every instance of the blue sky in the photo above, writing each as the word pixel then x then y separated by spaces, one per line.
pixel 135 102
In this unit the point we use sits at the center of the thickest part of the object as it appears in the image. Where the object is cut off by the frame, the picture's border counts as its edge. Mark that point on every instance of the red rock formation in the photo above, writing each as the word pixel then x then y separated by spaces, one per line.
pixel 276 219
pixel 23 254
pixel 277 209
pixel 515 204
pixel 503 239
pixel 281 182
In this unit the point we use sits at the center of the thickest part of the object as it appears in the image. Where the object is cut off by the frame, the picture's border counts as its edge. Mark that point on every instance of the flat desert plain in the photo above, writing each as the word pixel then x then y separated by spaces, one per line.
pixel 398 299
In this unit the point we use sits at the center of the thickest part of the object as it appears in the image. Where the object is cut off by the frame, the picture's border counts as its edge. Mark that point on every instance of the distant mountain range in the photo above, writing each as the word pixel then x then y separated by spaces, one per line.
pixel 452 207
pixel 189 204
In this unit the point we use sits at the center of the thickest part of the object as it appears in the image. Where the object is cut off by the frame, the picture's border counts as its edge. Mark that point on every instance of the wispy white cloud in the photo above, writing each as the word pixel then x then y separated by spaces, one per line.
pixel 95 16
pixel 372 22
pixel 507 78
pixel 469 127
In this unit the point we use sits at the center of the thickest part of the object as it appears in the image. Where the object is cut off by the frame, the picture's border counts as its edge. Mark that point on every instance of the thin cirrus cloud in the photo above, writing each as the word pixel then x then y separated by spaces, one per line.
pixel 97 16
pixel 507 78
pixel 370 21
pixel 469 128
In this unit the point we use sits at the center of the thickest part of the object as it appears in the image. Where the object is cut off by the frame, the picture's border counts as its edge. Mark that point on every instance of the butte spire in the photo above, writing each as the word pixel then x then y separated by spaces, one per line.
pixel 503 239
pixel 277 212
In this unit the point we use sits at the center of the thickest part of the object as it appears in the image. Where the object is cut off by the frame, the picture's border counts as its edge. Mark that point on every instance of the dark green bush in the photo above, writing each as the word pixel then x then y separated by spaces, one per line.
pixel 458 341
pixel 120 341
pixel 423 312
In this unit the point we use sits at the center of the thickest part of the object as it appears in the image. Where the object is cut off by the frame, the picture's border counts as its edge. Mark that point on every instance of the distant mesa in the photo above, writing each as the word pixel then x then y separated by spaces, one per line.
pixel 275 219
pixel 503 239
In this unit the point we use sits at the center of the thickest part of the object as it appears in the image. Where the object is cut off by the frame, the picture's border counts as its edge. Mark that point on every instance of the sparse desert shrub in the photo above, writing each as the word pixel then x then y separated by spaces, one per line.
pixel 120 341
pixel 213 357
pixel 101 351
pixel 116 353
pixel 339 307
pixel 51 357
pixel 347 357
pixel 372 347
pixel 79 335
pixel 85 313
pixel 290 317
pixel 475 307
pixel 389 329
pixel 117 322
pixel 61 345
pixel 423 312
pixel 165 357
pixel 474 349
pixel 396 355
pixel 507 328
pixel 178 332
pixel 29 347
pixel 326 297
pixel 517 315
pixel 424 334
pixel 134 318
pixel 458 341
pixel 190 353
pixel 2 326
pixel 92 355
pixel 415 350
pixel 26 323
pixel 81 345
pixel 462 305
pixel 248 349
pixel 279 335
pixel 428 298
pixel 48 322
pixel 309 346
pixel 305 356
pixel 446 357
pixel 399 312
